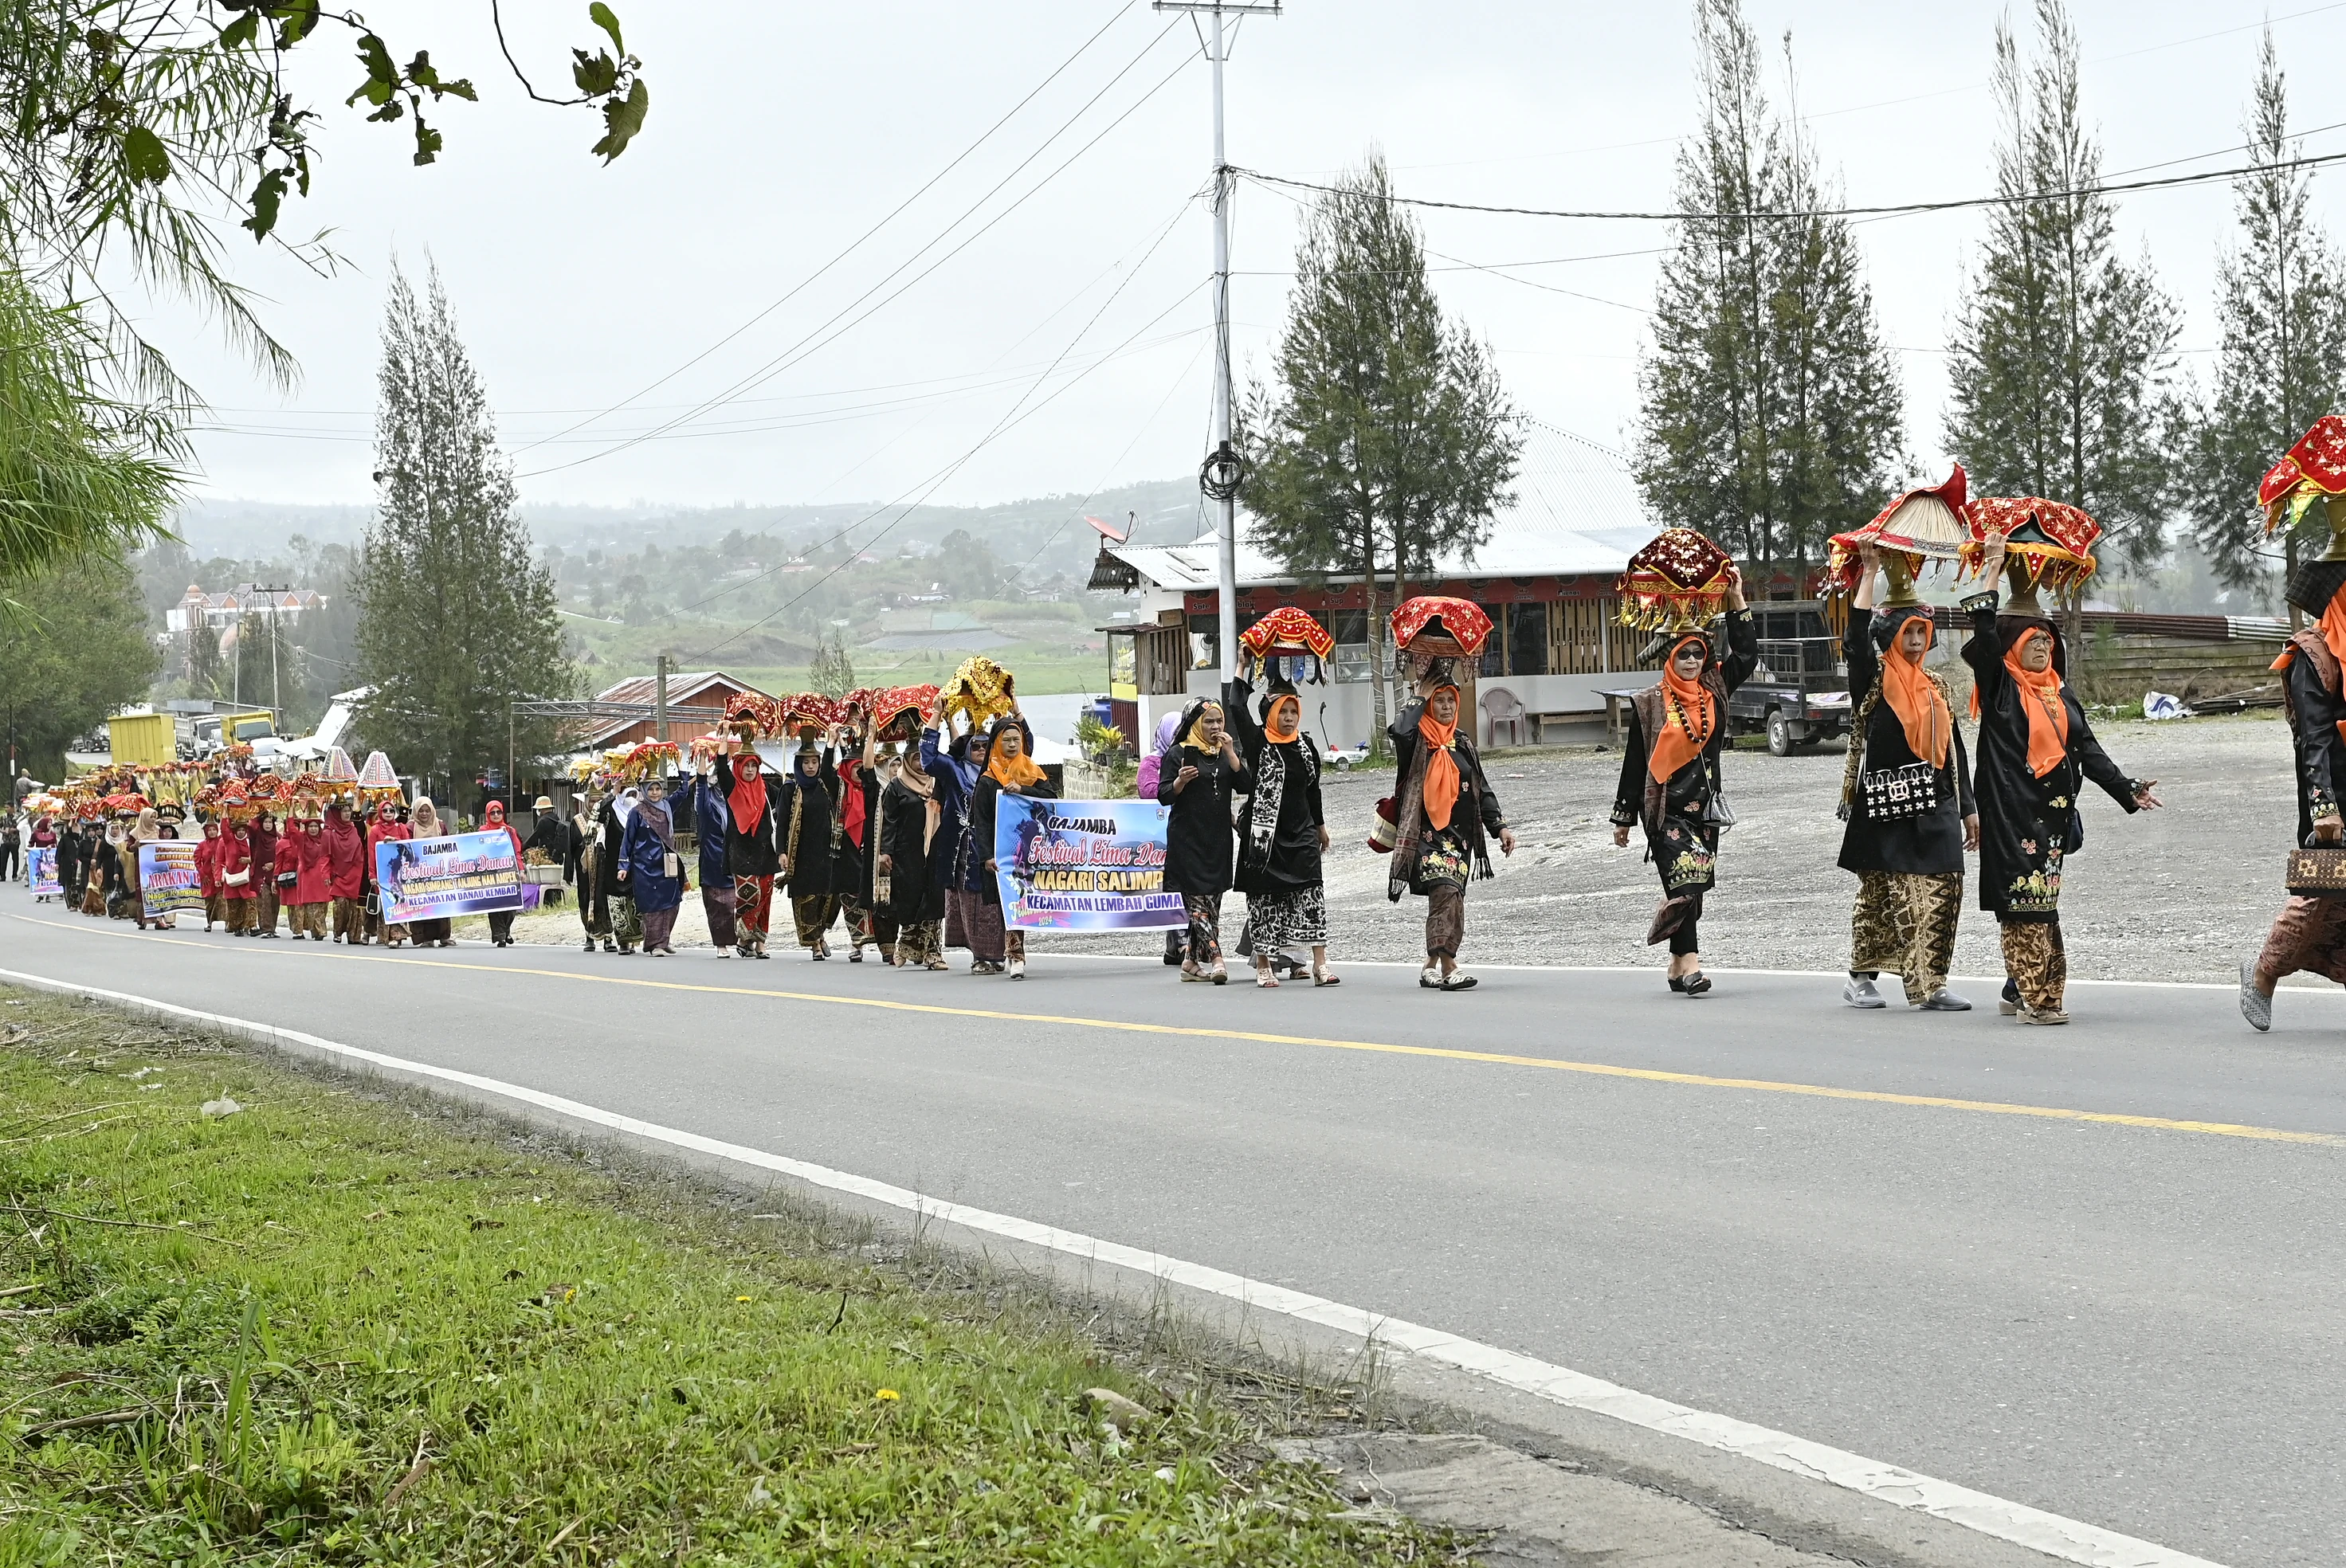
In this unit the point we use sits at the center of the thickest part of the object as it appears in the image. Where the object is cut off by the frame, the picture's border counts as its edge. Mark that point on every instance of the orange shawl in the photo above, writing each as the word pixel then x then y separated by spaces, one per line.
pixel 1440 790
pixel 1914 698
pixel 1689 717
pixel 2333 627
pixel 2040 698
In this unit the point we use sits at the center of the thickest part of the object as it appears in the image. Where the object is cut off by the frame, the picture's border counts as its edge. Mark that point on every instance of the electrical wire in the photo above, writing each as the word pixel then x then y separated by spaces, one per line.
pixel 1889 210
pixel 815 341
pixel 1000 426
pixel 937 481
pixel 857 242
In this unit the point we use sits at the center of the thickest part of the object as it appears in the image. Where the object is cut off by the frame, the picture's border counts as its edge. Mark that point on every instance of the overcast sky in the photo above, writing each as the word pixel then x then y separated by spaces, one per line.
pixel 780 133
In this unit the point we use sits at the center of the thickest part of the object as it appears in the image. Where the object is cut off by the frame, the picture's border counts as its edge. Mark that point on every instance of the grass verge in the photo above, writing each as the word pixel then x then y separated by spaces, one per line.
pixel 325 1328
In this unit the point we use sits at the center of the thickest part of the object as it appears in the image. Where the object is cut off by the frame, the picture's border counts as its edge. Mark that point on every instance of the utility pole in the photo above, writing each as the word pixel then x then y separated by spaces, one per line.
pixel 1224 469
pixel 659 699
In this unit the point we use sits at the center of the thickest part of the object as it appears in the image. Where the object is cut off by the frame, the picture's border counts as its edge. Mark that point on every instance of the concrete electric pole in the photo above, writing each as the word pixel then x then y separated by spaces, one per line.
pixel 1223 467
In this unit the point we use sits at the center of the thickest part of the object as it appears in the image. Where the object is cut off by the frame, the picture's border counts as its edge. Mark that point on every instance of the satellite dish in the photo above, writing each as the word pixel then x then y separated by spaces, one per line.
pixel 1107 530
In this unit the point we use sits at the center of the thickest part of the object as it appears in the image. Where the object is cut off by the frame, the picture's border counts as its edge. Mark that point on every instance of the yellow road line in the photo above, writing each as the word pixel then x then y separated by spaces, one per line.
pixel 1449 1053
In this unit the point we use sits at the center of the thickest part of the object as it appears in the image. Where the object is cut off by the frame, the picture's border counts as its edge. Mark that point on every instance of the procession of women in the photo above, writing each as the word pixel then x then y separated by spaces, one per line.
pixel 897 825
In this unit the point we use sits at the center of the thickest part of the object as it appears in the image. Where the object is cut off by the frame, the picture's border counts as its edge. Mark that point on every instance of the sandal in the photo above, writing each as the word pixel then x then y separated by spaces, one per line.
pixel 1430 977
pixel 1458 979
pixel 1264 978
pixel 1218 974
pixel 1191 972
pixel 1319 976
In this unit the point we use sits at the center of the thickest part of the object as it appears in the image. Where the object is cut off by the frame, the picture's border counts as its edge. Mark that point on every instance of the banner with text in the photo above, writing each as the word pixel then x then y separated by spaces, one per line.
pixel 41 867
pixel 167 878
pixel 1083 865
pixel 437 879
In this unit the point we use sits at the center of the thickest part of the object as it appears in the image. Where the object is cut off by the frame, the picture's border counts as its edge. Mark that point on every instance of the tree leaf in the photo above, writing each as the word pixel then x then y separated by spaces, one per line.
pixel 600 15
pixel 622 119
pixel 427 142
pixel 294 20
pixel 420 70
pixel 597 74
pixel 267 197
pixel 143 157
pixel 241 32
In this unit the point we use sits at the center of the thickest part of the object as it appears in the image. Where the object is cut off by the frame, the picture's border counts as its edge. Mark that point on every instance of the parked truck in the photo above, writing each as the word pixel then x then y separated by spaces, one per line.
pixel 1799 695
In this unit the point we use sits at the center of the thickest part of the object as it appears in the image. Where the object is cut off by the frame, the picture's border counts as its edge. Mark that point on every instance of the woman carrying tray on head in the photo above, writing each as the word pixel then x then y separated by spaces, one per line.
pixel 1010 770
pixel 1282 828
pixel 1443 812
pixel 2309 936
pixel 2035 753
pixel 1908 796
pixel 1671 786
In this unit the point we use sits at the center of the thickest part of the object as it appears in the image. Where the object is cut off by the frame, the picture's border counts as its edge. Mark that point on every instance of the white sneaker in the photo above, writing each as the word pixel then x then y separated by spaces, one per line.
pixel 1861 993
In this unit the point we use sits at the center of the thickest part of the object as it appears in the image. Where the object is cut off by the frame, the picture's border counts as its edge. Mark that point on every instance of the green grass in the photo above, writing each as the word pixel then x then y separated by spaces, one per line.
pixel 327 1328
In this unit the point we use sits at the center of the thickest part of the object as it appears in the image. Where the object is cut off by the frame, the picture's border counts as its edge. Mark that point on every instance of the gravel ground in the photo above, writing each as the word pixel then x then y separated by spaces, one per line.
pixel 2182 893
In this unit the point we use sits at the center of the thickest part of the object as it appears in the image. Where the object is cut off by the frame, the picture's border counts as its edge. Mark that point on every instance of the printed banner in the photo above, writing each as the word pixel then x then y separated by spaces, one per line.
pixel 1083 865
pixel 41 867
pixel 437 879
pixel 167 878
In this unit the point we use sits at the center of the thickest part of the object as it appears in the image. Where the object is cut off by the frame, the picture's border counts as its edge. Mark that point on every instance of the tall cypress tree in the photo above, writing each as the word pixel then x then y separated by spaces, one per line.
pixel 1769 407
pixel 456 619
pixel 2280 300
pixel 1389 441
pixel 2062 350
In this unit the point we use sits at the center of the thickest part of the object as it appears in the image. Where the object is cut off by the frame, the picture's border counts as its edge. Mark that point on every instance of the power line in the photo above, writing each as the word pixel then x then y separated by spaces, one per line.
pixel 1000 425
pixel 810 344
pixel 958 160
pixel 1889 210
pixel 939 479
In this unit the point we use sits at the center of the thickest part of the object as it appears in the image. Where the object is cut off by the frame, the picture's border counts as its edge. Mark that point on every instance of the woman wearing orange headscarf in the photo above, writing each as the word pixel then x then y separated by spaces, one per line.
pixel 1670 777
pixel 1907 799
pixel 1443 812
pixel 2035 753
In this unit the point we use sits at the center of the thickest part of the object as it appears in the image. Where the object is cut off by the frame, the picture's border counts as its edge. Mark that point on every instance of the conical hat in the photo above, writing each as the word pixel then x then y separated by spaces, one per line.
pixel 1925 525
pixel 340 769
pixel 378 773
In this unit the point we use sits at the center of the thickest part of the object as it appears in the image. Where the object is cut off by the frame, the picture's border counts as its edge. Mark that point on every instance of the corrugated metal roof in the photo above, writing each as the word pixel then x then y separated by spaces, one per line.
pixel 1576 513
pixel 682 686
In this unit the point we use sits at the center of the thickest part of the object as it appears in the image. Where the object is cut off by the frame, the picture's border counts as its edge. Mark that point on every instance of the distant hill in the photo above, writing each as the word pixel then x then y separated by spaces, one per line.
pixel 1048 531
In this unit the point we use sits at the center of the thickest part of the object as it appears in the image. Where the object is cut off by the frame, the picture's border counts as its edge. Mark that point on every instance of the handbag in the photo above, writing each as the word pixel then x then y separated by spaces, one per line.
pixel 1717 813
pixel 237 879
pixel 2317 873
pixel 1891 794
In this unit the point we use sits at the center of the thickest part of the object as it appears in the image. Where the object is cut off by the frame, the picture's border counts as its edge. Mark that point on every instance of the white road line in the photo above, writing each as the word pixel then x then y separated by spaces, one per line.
pixel 2067 1538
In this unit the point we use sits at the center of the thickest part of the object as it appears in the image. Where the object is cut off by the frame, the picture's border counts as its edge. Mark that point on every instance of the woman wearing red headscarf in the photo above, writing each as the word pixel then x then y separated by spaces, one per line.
pixel 346 873
pixel 752 846
pixel 501 920
pixel 1670 780
pixel 2035 754
pixel 208 882
pixel 264 838
pixel 236 875
pixel 386 828
pixel 302 853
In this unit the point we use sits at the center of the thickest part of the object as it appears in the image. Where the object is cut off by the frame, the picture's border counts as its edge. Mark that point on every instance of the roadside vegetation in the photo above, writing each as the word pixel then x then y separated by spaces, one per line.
pixel 249 1316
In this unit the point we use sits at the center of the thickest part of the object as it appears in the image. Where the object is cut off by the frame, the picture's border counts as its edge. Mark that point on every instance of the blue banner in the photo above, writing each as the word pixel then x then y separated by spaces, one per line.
pixel 436 879
pixel 1083 865
pixel 168 882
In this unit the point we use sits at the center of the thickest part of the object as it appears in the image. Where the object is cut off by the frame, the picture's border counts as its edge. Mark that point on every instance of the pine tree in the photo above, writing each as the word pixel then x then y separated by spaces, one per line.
pixel 455 619
pixel 2280 301
pixel 2062 351
pixel 1770 409
pixel 1388 440
pixel 834 673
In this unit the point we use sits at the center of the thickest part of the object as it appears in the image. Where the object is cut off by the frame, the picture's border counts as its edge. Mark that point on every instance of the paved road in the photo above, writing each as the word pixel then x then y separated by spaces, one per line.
pixel 2137 1325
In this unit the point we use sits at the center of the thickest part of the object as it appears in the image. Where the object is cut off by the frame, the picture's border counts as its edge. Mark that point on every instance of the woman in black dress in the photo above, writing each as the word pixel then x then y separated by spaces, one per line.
pixel 909 880
pixel 1670 777
pixel 2035 753
pixel 1445 816
pixel 1195 780
pixel 1282 831
pixel 1010 770
pixel 1907 798
pixel 809 864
